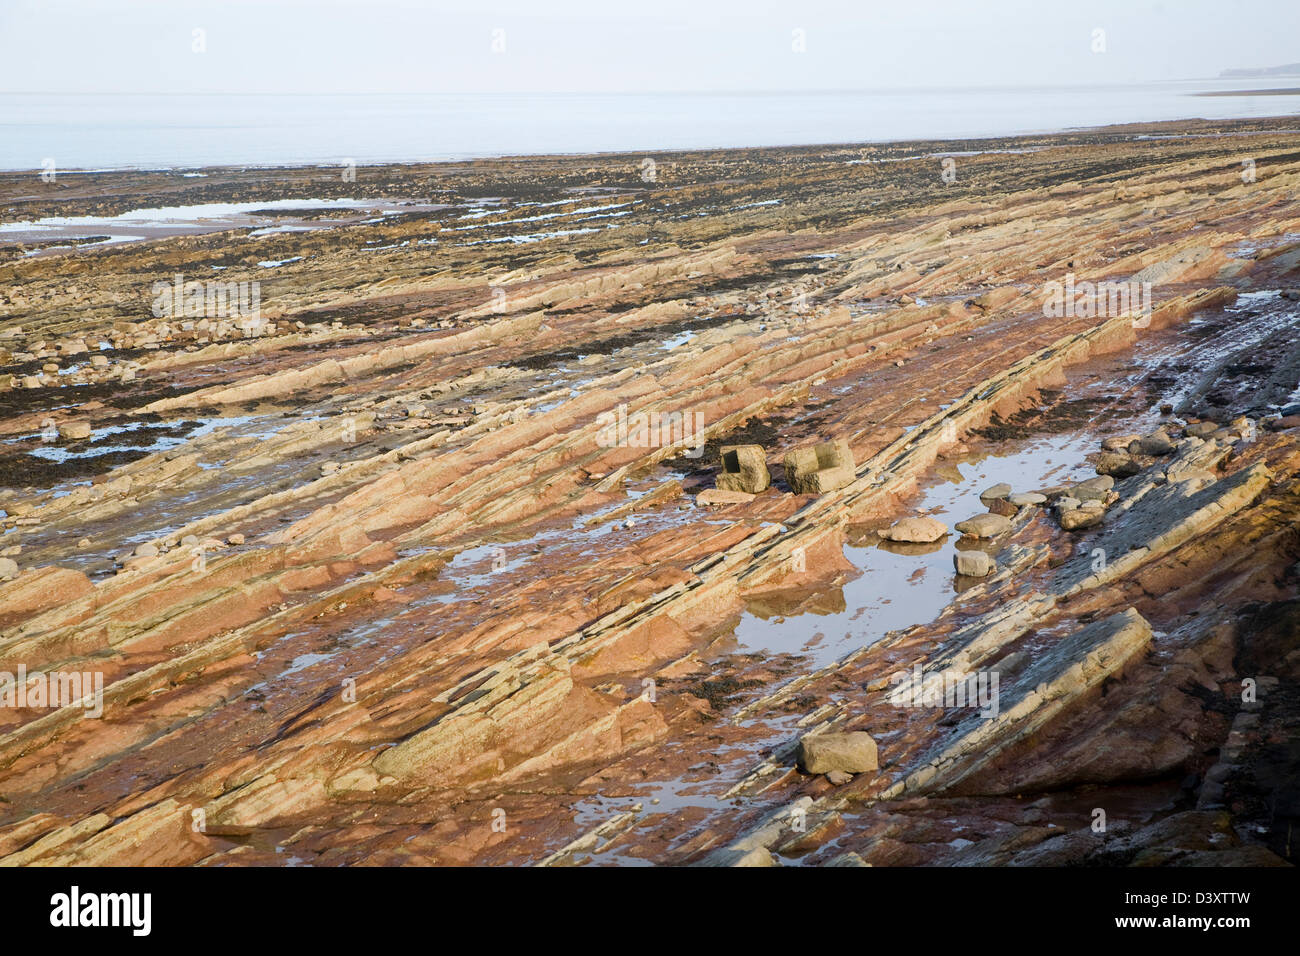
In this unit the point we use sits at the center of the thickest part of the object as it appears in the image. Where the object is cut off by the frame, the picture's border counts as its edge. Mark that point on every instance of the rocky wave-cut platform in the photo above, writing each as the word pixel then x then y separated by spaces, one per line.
pixel 514 528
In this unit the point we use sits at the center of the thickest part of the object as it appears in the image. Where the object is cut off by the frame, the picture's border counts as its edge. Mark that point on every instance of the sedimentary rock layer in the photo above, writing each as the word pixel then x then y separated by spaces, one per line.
pixel 442 531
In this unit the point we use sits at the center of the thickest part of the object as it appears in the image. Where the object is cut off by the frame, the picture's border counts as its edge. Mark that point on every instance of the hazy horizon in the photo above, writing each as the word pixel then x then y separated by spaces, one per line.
pixel 83 131
pixel 123 83
pixel 341 47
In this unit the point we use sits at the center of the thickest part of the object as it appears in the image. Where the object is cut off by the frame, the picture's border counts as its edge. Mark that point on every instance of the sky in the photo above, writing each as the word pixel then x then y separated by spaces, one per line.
pixel 450 46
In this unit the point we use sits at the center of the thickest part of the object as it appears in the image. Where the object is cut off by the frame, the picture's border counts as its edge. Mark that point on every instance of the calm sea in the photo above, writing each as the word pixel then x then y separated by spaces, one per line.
pixel 110 131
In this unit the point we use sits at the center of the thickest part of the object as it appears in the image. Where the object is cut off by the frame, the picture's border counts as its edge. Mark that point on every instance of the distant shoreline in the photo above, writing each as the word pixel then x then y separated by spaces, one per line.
pixel 1293 91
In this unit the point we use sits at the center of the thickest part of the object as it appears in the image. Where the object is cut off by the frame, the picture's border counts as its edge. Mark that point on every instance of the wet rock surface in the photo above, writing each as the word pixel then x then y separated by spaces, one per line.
pixel 452 529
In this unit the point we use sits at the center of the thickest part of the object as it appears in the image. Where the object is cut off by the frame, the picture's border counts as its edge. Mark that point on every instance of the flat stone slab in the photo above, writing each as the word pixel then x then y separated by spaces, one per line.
pixel 1160 517
pixel 1053 679
pixel 1024 498
pixel 984 526
pixel 1000 490
pixel 714 497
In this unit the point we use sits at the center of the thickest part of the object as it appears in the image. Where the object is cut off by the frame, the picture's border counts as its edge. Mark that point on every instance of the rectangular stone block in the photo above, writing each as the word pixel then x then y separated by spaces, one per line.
pixel 822 468
pixel 744 468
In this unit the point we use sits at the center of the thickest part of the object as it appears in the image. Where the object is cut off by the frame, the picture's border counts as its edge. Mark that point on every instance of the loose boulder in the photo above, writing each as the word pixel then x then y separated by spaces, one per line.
pixel 1088 514
pixel 847 752
pixel 1081 518
pixel 1094 489
pixel 915 530
pixel 721 496
pixel 974 564
pixel 1117 465
pixel 75 431
pixel 1119 443
pixel 1157 443
pixel 1001 506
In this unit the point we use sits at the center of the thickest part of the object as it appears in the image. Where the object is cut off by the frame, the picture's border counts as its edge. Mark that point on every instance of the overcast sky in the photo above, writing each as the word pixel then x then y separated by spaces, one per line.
pixel 361 46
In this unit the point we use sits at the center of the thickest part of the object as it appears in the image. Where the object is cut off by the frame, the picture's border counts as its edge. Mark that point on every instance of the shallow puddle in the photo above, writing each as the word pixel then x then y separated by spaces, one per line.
pixel 157 222
pixel 905 584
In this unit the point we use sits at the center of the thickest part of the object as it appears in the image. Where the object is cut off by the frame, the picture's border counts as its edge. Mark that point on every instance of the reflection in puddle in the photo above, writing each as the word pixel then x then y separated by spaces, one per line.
pixel 905 584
